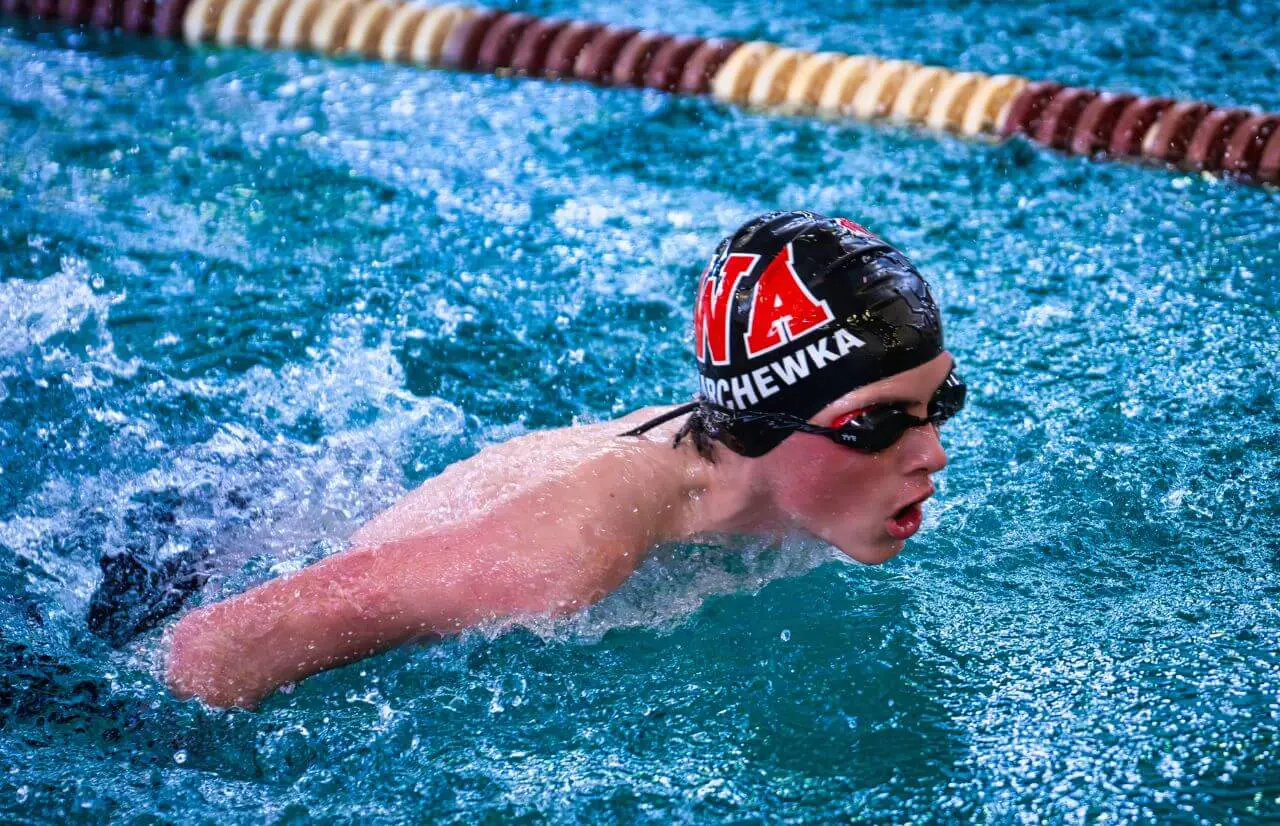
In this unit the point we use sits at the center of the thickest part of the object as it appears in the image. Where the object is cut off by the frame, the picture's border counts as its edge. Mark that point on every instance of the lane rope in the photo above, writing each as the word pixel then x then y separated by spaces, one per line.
pixel 1193 135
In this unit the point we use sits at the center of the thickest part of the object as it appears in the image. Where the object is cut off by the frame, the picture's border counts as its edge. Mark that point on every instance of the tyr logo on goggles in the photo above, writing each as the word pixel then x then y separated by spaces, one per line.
pixel 871 432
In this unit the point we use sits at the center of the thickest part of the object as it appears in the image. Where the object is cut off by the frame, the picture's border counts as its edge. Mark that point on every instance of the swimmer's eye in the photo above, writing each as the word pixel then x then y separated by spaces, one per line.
pixel 844 418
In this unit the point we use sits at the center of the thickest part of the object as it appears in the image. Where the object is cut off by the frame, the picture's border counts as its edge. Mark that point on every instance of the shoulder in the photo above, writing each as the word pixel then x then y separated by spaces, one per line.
pixel 545 472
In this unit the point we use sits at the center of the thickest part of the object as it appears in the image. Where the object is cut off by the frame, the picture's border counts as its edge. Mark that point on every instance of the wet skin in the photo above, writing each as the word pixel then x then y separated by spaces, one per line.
pixel 547 524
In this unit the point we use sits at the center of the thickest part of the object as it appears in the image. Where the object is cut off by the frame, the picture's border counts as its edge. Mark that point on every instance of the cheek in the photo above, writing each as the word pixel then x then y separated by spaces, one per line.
pixel 818 478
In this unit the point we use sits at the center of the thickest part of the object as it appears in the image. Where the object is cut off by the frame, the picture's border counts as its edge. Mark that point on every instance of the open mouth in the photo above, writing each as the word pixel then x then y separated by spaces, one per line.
pixel 905 521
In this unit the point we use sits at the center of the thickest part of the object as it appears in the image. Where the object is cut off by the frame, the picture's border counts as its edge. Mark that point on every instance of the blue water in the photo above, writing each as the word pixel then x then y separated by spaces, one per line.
pixel 269 293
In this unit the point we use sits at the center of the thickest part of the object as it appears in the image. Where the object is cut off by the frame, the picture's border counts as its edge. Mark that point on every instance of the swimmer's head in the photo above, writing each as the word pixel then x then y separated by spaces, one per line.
pixel 793 311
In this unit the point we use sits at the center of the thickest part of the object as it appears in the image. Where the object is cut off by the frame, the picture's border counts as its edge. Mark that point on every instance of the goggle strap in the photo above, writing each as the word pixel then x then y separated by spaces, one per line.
pixel 663 419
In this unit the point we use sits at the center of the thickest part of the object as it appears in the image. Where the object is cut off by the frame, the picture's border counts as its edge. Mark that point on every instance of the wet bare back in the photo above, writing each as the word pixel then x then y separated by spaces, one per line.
pixel 551 521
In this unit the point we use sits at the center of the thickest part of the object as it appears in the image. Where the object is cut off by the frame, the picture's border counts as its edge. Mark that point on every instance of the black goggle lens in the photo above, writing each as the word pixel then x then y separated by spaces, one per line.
pixel 878 429
pixel 949 400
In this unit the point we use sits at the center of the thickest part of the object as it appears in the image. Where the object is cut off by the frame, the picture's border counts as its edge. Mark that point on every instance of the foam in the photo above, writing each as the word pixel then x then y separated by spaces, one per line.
pixel 676 580
pixel 251 487
pixel 58 324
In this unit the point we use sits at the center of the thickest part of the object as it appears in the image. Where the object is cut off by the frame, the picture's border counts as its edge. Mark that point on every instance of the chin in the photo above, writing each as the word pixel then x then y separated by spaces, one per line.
pixel 875 553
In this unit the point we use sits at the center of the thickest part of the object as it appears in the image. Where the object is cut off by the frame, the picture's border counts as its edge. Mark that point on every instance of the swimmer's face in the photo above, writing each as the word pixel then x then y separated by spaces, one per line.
pixel 856 500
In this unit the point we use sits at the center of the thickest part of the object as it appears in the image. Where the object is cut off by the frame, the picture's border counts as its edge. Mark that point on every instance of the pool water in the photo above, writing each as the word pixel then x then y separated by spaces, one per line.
pixel 248 299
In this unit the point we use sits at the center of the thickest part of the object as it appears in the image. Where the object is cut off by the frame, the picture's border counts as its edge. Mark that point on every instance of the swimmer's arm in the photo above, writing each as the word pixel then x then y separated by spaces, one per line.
pixel 367 600
pixel 343 608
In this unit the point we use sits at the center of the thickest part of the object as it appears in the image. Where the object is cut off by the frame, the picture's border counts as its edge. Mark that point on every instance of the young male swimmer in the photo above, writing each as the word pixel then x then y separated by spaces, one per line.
pixel 823 379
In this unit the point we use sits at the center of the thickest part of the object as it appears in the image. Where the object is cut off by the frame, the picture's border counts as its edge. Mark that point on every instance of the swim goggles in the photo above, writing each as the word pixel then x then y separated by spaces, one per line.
pixel 871 432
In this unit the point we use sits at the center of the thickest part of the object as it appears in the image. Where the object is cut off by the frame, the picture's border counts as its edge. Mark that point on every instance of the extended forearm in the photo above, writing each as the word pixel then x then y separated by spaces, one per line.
pixel 344 608
pixel 364 601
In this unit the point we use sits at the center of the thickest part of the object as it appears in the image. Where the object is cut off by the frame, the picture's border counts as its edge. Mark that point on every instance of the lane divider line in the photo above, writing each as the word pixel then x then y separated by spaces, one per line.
pixel 762 76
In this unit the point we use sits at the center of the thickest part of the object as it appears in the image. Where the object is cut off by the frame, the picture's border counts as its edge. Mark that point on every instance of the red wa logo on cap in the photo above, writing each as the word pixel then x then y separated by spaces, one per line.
pixel 782 308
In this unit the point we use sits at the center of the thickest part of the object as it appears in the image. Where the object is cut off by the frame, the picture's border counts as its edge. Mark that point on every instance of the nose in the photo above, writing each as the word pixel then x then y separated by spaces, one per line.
pixel 923 450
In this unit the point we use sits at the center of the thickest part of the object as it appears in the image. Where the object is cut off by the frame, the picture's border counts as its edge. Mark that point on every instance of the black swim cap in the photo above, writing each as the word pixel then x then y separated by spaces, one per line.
pixel 795 310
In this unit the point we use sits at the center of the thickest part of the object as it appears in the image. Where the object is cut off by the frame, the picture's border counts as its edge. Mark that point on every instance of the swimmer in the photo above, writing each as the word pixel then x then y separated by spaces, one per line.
pixel 823 381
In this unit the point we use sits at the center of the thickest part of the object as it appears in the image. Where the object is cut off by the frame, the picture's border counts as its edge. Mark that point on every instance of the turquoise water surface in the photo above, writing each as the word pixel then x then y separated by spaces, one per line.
pixel 268 293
